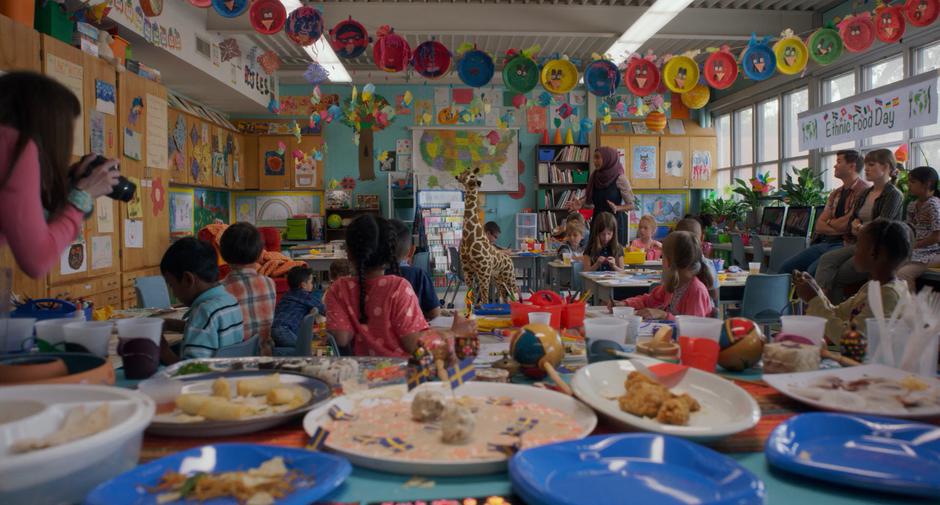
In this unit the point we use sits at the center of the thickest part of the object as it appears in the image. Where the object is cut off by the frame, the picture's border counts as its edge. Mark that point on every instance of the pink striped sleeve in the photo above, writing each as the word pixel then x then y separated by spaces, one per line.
pixel 696 301
pixel 36 244
pixel 655 299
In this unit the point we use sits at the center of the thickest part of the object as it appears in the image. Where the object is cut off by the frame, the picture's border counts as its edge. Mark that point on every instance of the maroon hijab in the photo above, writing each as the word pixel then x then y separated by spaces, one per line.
pixel 607 174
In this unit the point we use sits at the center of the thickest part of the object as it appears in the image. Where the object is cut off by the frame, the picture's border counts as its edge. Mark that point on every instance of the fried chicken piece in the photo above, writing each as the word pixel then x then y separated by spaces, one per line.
pixel 636 378
pixel 674 411
pixel 644 399
pixel 690 402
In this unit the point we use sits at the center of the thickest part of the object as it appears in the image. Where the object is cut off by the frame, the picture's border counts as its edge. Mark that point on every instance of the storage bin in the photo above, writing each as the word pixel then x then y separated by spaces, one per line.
pixel 519 312
pixel 546 154
pixel 52 20
pixel 579 176
pixel 572 315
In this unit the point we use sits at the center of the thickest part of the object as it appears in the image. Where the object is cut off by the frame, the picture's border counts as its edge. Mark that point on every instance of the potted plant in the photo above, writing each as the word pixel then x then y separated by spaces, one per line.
pixel 753 193
pixel 808 190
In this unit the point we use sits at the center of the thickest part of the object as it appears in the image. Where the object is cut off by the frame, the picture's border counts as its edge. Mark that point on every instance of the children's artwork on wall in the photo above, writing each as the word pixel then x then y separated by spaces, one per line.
pixel 132 141
pixel 133 234
pixel 403 146
pixel 644 162
pixel 104 214
pixel 181 212
pixel 386 161
pixel 674 163
pixel 135 209
pixel 305 172
pixel 73 260
pixel 218 164
pixel 367 201
pixel 701 165
pixel 104 97
pixel 667 208
pixel 137 108
pixel 157 196
pixel 441 97
pixel 401 108
pixel 245 209
pixel 102 254
pixel 424 112
pixel 209 206
pixel 536 119
pixel 96 133
pixel 274 163
pixel 275 210
pixel 156 132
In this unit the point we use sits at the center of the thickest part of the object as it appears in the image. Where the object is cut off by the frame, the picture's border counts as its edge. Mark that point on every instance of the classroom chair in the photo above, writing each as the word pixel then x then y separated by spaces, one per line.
pixel 766 298
pixel 758 254
pixel 453 276
pixel 738 257
pixel 305 337
pixel 152 292
pixel 240 350
pixel 783 249
pixel 422 261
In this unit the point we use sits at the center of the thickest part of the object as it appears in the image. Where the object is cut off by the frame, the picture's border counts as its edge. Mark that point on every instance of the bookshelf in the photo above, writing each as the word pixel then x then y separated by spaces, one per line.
pixel 439 221
pixel 563 171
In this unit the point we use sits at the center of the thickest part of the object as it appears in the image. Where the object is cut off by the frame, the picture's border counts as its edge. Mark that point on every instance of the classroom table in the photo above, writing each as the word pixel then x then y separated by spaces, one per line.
pixel 531 266
pixel 748 249
pixel 601 285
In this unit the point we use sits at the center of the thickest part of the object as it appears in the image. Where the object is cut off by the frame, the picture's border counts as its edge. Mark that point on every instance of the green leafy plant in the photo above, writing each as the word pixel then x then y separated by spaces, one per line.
pixel 724 211
pixel 808 190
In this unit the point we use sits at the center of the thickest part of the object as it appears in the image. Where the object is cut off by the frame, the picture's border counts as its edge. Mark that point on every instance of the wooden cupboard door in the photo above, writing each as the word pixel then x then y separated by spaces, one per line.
pixel 132 124
pixel 218 157
pixel 674 163
pixel 702 162
pixel 238 161
pixel 66 64
pixel 642 162
pixel 275 163
pixel 22 284
pixel 179 154
pixel 199 140
pixel 155 228
pixel 308 173
pixel 19 47
pixel 250 168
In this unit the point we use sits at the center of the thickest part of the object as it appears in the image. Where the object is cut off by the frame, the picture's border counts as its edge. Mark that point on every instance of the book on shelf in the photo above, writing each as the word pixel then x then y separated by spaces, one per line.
pixel 550 173
pixel 573 153
pixel 548 221
pixel 551 200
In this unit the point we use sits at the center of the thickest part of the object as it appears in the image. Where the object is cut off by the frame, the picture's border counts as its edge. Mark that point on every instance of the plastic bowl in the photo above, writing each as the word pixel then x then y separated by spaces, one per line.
pixel 52 331
pixel 16 333
pixel 66 473
pixel 811 327
pixel 606 328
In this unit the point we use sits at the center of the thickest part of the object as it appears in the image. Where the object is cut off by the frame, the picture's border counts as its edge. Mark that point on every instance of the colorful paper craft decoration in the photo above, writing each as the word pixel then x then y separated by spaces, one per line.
pixel 267 16
pixel 230 49
pixel 391 51
pixel 151 8
pixel 521 72
pixel 792 55
pixel 447 115
pixel 656 121
pixel 270 62
pixel 642 75
pixel 721 69
pixel 680 74
pixel 697 98
pixel 889 23
pixel 475 68
pixel 921 13
pixel 602 78
pixel 202 4
pixel 431 59
pixel 230 8
pixel 559 76
pixel 758 61
pixel 349 38
pixel 858 32
pixel 825 45
pixel 304 25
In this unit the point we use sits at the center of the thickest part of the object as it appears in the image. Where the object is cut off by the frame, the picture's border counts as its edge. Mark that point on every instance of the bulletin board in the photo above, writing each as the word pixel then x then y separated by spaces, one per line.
pixel 667 207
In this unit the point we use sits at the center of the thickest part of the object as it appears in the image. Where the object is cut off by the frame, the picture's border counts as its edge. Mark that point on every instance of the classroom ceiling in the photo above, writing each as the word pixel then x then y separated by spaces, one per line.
pixel 577 28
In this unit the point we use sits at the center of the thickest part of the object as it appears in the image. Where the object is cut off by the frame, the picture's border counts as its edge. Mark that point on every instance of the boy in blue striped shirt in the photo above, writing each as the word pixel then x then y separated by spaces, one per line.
pixel 214 319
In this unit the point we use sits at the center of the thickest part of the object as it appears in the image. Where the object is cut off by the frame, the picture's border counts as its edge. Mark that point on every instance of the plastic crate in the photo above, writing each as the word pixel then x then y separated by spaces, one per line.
pixel 52 19
pixel 546 154
pixel 579 176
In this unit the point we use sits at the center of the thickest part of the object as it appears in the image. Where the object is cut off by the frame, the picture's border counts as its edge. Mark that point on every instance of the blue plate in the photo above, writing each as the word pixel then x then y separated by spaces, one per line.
pixel 863 451
pixel 492 309
pixel 635 469
pixel 328 473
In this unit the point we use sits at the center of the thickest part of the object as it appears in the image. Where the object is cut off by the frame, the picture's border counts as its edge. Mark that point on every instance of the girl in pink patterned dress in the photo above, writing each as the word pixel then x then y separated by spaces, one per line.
pixel 923 216
pixel 644 238
pixel 378 313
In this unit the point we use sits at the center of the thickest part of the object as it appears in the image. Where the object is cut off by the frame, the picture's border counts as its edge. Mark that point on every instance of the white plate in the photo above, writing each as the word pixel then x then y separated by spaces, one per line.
pixel 566 404
pixel 790 383
pixel 726 408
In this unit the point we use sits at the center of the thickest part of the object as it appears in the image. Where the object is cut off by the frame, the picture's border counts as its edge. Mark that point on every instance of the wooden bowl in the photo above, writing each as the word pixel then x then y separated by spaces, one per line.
pixel 79 368
pixel 28 369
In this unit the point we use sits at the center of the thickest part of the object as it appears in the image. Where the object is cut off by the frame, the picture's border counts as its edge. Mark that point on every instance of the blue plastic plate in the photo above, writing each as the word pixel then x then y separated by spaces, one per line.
pixel 634 469
pixel 327 472
pixel 492 309
pixel 863 451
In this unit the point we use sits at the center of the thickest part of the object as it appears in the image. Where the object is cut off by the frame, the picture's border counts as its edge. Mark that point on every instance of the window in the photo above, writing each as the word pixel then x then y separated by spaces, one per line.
pixel 793 104
pixel 836 89
pixel 724 179
pixel 927 58
pixel 744 137
pixel 768 114
pixel 880 74
pixel 926 153
pixel 828 161
pixel 724 141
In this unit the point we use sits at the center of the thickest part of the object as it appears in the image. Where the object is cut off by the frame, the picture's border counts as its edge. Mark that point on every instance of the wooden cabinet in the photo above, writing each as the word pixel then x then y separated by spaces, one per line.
pixel 199 144
pixel 638 156
pixel 250 169
pixel 674 162
pixel 308 174
pixel 179 161
pixel 19 46
pixel 126 289
pixel 275 162
pixel 703 162
pixel 238 162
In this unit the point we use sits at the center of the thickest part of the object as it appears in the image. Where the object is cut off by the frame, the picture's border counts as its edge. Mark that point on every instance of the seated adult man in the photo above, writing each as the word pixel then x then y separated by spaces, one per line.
pixel 834 221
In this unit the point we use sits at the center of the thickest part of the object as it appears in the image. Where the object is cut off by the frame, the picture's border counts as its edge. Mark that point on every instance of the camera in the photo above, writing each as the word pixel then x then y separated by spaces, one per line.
pixel 123 190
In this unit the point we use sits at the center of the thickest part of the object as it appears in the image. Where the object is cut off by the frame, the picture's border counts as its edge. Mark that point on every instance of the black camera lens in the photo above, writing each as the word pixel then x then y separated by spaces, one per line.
pixel 123 190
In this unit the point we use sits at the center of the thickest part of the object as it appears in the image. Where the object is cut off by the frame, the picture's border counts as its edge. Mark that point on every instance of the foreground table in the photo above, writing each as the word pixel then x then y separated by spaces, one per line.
pixel 602 286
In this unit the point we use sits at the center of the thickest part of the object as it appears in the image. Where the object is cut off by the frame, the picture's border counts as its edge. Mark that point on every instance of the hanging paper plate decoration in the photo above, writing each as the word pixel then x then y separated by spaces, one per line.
pixel 680 74
pixel 721 69
pixel 857 32
pixel 269 61
pixel 151 8
pixel 792 55
pixel 267 16
pixel 642 75
pixel 391 51
pixel 475 68
pixel 697 98
pixel 304 26
pixel 922 12
pixel 559 76
pixel 202 4
pixel 431 59
pixel 521 72
pixel 230 8
pixel 602 78
pixel 656 121
pixel 758 60
pixel 825 45
pixel 349 38
pixel 889 23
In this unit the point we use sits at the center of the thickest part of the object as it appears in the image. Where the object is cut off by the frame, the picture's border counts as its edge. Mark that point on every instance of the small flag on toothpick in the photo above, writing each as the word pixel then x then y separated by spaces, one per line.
pixel 417 375
pixel 339 414
pixel 461 373
pixel 318 439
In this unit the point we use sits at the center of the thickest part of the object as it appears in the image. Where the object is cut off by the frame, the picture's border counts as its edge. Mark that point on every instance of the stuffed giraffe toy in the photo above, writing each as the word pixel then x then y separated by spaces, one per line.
pixel 483 264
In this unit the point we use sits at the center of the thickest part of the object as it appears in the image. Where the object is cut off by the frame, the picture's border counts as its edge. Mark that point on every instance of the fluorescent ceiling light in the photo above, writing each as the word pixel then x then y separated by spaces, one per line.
pixel 654 19
pixel 321 52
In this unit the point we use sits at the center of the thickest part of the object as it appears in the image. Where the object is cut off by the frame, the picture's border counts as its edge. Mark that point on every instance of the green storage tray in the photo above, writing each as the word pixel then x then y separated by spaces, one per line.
pixel 579 176
pixel 52 20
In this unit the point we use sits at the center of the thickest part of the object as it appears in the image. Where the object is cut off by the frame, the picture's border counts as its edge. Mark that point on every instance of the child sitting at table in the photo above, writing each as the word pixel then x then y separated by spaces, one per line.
pixel 883 245
pixel 492 232
pixel 923 216
pixel 694 227
pixel 419 279
pixel 214 320
pixel 241 246
pixel 683 291
pixel 604 252
pixel 379 313
pixel 290 311
pixel 571 241
pixel 644 238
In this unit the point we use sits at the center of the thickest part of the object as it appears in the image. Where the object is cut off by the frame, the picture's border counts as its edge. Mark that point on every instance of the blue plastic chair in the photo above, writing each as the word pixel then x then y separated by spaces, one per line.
pixel 758 246
pixel 784 248
pixel 422 261
pixel 305 337
pixel 454 276
pixel 738 256
pixel 766 298
pixel 152 292
pixel 243 349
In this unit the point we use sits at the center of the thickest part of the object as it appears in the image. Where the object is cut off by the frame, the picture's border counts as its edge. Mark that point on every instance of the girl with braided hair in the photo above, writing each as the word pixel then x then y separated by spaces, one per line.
pixel 375 309
pixel 883 246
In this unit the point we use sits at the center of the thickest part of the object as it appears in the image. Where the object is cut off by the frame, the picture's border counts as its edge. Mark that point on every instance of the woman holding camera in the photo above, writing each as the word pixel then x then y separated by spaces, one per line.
pixel 43 199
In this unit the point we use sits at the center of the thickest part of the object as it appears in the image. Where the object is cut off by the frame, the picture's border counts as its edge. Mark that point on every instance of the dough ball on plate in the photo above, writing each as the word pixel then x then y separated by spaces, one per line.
pixel 457 424
pixel 427 406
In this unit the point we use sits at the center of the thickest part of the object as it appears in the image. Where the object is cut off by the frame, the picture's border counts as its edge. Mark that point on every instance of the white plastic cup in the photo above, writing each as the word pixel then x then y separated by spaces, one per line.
pixel 753 267
pixel 699 327
pixel 16 333
pixel 540 318
pixel 624 312
pixel 811 327
pixel 92 335
pixel 140 327
pixel 633 328
pixel 606 328
pixel 52 331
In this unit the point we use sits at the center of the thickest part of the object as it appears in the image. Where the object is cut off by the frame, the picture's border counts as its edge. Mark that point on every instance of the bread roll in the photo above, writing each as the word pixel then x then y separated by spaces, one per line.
pixel 258 386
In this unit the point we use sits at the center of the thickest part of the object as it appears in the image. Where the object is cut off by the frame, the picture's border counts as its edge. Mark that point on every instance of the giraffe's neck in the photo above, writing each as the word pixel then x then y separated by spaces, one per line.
pixel 471 225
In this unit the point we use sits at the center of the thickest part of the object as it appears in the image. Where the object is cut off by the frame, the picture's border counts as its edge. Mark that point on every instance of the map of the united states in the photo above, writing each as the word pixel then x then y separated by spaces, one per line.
pixel 454 151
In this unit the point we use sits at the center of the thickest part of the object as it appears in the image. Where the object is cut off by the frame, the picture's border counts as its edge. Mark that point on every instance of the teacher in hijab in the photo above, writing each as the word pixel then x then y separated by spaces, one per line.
pixel 608 189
